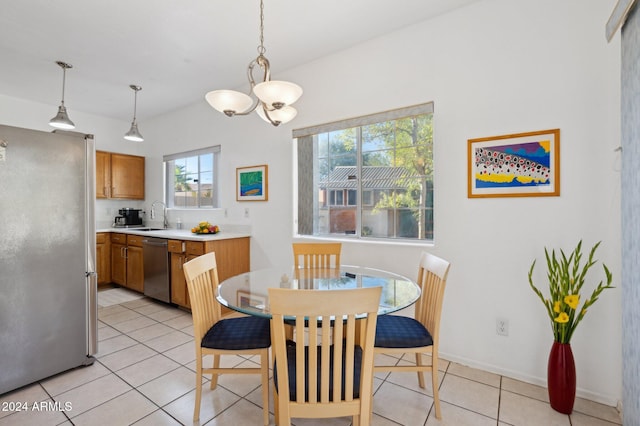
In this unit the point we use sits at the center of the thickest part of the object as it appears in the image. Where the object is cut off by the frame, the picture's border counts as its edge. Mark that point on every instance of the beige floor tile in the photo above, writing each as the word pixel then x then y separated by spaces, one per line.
pixel 134 324
pixel 74 378
pixel 111 310
pixel 524 411
pixel 114 344
pixel 401 405
pixel 213 403
pixel 579 419
pixel 188 330
pixel 377 420
pixel 182 354
pixel 525 389
pixel 150 308
pixel 594 409
pixel 122 410
pixel 241 384
pixel 119 317
pixel 171 386
pixel 475 396
pixel 147 370
pixel 157 418
pixel 151 332
pixel 138 303
pixel 165 314
pixel 107 333
pixel 180 322
pixel 126 357
pixel 169 341
pixel 453 415
pixel 331 421
pixel 92 394
pixel 474 374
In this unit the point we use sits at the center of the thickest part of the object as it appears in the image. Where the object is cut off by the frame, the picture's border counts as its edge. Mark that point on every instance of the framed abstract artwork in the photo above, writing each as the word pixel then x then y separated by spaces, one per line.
pixel 251 183
pixel 517 165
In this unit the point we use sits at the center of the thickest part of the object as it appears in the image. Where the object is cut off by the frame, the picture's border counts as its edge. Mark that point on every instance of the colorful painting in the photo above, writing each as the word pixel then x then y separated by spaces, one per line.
pixel 518 165
pixel 251 183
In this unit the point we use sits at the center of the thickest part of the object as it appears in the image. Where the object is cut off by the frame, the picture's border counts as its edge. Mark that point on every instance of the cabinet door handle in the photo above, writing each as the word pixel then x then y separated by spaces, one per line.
pixel 181 261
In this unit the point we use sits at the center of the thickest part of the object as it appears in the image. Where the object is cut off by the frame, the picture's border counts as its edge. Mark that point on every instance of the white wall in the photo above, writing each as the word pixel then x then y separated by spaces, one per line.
pixel 496 67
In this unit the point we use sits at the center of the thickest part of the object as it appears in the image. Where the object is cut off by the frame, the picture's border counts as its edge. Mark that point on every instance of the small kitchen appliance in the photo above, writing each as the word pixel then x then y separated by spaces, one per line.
pixel 129 217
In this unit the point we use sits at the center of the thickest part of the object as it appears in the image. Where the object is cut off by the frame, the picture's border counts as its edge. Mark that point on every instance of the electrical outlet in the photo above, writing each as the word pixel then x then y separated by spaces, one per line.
pixel 502 327
pixel 246 212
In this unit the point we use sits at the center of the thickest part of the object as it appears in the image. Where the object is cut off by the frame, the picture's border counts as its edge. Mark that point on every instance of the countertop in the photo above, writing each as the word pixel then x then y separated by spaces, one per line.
pixel 177 234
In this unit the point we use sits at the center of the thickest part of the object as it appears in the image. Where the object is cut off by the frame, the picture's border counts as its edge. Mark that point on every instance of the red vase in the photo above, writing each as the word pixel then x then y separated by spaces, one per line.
pixel 561 378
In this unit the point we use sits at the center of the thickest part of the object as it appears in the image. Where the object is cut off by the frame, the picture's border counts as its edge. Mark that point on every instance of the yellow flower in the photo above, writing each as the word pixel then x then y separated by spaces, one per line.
pixel 572 300
pixel 562 318
pixel 556 306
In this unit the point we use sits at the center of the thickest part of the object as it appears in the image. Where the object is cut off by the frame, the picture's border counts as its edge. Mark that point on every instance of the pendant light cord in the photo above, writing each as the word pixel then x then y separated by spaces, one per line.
pixel 261 48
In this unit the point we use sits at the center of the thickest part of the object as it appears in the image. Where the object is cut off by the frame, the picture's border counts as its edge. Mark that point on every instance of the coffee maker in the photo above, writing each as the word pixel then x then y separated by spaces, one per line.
pixel 129 217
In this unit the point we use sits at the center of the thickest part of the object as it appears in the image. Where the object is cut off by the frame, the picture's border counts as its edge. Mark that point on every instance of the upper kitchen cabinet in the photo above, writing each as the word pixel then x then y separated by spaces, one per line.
pixel 119 176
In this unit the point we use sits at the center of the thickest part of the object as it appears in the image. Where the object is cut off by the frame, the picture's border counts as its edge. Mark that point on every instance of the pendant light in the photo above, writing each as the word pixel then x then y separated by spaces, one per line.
pixel 133 134
pixel 271 99
pixel 61 120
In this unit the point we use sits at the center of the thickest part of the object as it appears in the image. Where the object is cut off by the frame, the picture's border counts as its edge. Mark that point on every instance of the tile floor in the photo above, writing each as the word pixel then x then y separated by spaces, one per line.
pixel 144 375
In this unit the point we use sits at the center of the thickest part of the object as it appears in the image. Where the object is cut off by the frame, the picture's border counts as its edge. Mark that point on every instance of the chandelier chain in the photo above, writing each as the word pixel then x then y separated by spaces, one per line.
pixel 261 48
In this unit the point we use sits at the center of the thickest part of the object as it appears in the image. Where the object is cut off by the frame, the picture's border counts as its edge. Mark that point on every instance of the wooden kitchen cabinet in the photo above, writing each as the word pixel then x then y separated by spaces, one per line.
pixel 178 257
pixel 127 267
pixel 119 176
pixel 135 263
pixel 119 259
pixel 232 258
pixel 103 257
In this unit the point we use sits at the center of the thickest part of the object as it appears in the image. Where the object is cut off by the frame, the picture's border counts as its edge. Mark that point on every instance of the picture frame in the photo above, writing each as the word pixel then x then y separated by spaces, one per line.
pixel 515 165
pixel 252 183
pixel 248 300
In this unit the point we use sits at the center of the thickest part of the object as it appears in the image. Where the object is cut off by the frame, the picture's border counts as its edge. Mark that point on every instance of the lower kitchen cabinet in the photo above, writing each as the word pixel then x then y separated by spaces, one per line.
pixel 127 268
pixel 103 257
pixel 178 257
pixel 232 258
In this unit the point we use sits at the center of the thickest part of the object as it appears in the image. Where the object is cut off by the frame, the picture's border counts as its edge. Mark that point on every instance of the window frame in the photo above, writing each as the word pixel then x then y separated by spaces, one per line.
pixel 308 221
pixel 169 177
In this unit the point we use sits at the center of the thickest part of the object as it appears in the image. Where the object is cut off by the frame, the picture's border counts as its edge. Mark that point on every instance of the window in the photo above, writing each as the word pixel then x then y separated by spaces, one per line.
pixel 191 178
pixel 368 177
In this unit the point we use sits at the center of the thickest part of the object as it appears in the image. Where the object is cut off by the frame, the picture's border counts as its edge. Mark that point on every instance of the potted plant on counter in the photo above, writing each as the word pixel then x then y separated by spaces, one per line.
pixel 566 277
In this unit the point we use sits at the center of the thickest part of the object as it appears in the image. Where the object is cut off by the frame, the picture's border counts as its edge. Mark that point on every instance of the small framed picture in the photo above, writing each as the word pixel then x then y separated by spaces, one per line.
pixel 251 183
pixel 518 165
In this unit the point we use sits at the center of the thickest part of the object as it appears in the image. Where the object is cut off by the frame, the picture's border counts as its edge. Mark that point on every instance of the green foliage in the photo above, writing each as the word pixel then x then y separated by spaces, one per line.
pixel 566 276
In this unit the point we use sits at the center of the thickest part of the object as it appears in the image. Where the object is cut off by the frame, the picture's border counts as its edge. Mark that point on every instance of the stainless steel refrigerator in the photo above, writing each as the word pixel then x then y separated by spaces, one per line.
pixel 48 284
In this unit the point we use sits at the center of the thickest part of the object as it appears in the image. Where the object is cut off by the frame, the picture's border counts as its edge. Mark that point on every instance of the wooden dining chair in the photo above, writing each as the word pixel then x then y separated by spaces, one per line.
pixel 397 334
pixel 321 379
pixel 316 255
pixel 215 336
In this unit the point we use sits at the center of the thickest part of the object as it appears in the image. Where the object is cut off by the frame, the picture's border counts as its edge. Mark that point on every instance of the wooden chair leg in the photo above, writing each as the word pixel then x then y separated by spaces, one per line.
pixel 264 362
pixel 214 376
pixel 196 408
pixel 420 372
pixel 434 385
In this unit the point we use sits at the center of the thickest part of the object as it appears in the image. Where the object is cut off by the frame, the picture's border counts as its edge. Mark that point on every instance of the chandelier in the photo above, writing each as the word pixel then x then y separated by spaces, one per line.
pixel 271 99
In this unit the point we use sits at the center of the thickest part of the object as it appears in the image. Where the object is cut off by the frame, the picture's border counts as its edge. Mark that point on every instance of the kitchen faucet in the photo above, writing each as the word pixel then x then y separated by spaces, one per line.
pixel 165 224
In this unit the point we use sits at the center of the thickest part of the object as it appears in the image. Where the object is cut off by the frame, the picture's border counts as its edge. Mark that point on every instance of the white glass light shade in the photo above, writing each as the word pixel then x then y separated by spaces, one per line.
pixel 61 120
pixel 133 134
pixel 229 102
pixel 283 115
pixel 274 92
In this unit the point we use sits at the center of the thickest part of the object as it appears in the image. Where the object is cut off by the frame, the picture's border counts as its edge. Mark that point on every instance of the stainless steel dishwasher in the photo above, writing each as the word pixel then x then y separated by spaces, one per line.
pixel 156 269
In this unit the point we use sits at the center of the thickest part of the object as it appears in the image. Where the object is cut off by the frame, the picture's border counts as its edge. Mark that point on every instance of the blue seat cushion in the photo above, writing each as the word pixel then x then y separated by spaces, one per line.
pixel 395 331
pixel 238 333
pixel 291 364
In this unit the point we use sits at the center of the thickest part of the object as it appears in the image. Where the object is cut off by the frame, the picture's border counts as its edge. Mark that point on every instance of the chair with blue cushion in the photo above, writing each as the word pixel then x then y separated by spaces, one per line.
pixel 397 335
pixel 216 336
pixel 316 255
pixel 312 376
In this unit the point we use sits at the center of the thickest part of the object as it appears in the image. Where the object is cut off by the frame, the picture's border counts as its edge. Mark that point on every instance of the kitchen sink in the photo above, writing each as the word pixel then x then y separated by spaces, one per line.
pixel 148 229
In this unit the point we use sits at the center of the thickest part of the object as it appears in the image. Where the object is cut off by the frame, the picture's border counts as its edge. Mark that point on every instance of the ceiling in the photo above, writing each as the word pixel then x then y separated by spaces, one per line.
pixel 177 50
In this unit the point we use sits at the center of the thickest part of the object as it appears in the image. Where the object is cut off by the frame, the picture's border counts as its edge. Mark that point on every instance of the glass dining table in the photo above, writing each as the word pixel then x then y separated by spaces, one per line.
pixel 247 292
